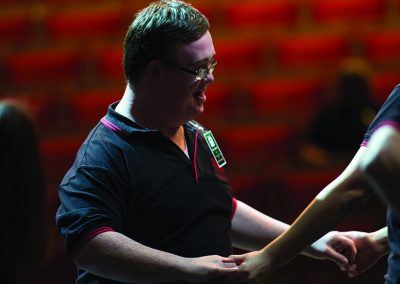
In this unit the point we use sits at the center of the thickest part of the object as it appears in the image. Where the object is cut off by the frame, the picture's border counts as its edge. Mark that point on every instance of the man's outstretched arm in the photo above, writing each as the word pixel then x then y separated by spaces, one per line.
pixel 114 256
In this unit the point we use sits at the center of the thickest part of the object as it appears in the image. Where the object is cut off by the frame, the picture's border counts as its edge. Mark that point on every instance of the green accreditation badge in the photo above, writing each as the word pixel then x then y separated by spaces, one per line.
pixel 214 148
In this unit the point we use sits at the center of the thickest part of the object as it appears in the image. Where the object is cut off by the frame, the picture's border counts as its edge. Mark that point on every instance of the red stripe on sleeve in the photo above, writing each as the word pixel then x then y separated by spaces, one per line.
pixel 394 124
pixel 88 237
pixel 98 231
pixel 234 207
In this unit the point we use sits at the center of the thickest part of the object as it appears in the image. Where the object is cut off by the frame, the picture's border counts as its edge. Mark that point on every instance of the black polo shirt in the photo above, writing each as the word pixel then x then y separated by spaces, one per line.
pixel 137 182
pixel 389 114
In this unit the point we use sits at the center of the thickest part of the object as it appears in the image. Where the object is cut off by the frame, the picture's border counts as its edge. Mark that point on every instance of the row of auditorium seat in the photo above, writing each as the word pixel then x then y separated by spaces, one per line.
pixel 248 56
pixel 111 21
pixel 62 60
pixel 282 12
pixel 274 96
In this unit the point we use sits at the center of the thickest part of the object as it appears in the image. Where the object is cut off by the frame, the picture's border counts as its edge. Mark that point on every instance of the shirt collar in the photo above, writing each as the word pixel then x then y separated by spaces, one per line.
pixel 122 124
pixel 126 126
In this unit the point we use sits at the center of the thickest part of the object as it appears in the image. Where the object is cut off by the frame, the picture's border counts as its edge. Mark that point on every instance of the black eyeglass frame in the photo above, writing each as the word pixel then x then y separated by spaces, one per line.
pixel 199 73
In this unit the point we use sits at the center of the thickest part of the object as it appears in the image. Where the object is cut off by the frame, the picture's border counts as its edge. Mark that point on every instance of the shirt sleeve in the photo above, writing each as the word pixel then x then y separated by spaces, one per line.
pixel 388 114
pixel 91 199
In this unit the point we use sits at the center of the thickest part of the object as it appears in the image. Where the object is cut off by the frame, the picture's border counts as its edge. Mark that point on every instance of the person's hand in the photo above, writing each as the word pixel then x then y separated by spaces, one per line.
pixel 202 268
pixel 254 267
pixel 369 251
pixel 334 246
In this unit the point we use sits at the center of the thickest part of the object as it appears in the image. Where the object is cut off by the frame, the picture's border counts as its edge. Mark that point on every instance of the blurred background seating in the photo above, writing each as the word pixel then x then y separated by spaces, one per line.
pixel 348 11
pixel 62 59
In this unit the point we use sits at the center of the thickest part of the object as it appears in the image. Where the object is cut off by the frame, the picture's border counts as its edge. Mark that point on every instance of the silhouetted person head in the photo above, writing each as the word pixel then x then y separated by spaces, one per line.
pixel 338 127
pixel 22 188
pixel 353 84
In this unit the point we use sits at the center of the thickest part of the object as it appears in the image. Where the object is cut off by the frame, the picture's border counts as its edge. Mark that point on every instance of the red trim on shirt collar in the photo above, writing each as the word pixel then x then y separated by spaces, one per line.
pixel 110 125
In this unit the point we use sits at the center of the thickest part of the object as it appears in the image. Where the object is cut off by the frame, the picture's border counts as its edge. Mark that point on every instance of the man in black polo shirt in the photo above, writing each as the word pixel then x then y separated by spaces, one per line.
pixel 147 199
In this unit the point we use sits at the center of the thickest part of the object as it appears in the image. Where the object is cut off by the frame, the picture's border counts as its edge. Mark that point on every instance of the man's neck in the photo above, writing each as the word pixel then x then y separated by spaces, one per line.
pixel 134 109
pixel 176 135
pixel 137 110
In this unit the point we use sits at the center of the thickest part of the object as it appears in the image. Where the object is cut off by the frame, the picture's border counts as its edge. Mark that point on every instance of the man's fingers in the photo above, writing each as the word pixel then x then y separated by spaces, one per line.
pixel 228 260
pixel 346 248
pixel 337 258
pixel 227 265
pixel 228 270
pixel 237 259
pixel 352 271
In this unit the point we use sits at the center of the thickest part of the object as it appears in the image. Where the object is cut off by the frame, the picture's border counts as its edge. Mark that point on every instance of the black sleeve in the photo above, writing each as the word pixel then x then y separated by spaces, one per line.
pixel 389 112
pixel 94 193
pixel 90 199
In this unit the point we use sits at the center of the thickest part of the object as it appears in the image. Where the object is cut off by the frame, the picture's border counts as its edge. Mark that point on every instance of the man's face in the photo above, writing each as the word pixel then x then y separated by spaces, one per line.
pixel 183 96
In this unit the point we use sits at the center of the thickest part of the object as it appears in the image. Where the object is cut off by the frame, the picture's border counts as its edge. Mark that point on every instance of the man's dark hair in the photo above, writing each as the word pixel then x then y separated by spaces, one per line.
pixel 156 30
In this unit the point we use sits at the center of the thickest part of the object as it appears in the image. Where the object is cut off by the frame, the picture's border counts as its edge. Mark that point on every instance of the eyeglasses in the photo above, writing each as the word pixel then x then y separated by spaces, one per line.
pixel 200 73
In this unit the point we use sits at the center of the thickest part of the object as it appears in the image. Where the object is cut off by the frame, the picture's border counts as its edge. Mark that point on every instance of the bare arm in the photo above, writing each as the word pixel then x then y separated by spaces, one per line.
pixel 336 201
pixel 252 230
pixel 114 256
pixel 340 198
pixel 381 165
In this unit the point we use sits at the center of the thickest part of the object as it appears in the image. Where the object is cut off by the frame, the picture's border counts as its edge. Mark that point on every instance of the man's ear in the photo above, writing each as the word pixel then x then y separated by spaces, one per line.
pixel 153 70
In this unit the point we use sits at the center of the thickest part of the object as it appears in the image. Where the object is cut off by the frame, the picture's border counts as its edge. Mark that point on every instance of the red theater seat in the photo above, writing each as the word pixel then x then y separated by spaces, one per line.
pixel 350 11
pixel 86 24
pixel 257 190
pixel 73 2
pixel 12 2
pixel 303 185
pixel 210 9
pixel 59 152
pixel 88 107
pixel 219 106
pixel 383 46
pixel 284 95
pixel 255 144
pixel 219 100
pixel 261 14
pixel 311 50
pixel 15 28
pixel 382 85
pixel 109 64
pixel 236 55
pixel 47 67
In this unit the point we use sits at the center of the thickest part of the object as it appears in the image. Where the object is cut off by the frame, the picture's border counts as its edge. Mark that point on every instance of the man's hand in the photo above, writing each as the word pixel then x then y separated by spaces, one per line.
pixel 202 268
pixel 254 267
pixel 334 246
pixel 370 248
pixel 258 266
